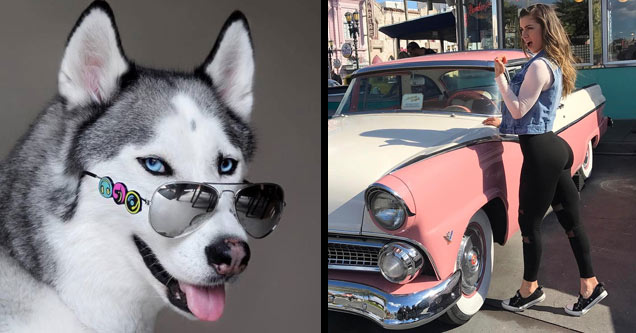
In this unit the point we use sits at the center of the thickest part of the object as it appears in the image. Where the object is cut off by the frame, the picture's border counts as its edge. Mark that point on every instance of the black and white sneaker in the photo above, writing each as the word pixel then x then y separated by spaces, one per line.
pixel 585 304
pixel 518 303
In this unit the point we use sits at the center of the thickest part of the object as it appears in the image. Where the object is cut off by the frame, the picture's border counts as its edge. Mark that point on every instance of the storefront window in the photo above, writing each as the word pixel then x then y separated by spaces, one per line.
pixel 574 15
pixel 478 14
pixel 621 30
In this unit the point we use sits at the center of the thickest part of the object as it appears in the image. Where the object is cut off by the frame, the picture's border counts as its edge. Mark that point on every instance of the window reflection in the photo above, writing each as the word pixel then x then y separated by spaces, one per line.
pixel 574 16
pixel 478 24
pixel 621 30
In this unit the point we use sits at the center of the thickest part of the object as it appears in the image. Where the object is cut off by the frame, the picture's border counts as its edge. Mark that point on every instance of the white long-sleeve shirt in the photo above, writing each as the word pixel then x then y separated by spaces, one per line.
pixel 538 78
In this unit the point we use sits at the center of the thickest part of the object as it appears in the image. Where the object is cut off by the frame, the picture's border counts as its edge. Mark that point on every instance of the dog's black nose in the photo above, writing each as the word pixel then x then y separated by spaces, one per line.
pixel 228 256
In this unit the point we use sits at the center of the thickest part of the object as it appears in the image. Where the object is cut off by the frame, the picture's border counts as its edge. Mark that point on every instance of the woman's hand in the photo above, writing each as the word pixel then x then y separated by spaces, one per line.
pixel 499 65
pixel 492 121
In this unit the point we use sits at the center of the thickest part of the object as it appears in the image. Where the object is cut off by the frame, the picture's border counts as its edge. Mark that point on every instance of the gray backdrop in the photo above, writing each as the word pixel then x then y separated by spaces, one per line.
pixel 280 289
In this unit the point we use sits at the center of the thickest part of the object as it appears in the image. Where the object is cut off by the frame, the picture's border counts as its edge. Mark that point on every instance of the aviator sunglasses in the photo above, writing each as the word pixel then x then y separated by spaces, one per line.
pixel 178 208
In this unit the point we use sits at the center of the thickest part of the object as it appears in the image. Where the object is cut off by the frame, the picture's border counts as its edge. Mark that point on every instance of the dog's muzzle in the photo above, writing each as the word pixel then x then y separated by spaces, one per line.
pixel 228 257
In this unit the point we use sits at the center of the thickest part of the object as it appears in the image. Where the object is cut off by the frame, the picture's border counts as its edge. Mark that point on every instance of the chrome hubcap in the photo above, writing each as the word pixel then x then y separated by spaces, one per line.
pixel 471 258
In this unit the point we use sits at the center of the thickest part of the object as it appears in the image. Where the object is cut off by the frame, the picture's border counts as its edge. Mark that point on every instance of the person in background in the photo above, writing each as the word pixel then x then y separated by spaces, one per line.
pixel 336 77
pixel 403 54
pixel 415 50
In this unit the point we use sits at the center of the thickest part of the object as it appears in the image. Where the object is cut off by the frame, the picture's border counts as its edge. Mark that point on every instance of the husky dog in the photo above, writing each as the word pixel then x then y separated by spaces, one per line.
pixel 73 260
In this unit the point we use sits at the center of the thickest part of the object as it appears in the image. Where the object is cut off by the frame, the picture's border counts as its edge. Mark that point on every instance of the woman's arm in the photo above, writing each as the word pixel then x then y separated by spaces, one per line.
pixel 538 78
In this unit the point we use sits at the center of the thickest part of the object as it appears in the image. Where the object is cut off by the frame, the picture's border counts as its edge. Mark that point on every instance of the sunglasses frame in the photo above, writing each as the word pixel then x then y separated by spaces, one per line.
pixel 219 191
pixel 218 188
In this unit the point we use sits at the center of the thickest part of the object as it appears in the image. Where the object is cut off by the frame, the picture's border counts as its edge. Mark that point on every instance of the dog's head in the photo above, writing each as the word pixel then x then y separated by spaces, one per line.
pixel 143 128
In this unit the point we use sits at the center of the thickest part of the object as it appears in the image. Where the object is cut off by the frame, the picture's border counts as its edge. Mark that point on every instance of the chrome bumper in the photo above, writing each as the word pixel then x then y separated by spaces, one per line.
pixel 394 311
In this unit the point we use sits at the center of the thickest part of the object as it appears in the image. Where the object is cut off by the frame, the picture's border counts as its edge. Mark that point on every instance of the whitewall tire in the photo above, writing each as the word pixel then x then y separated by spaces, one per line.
pixel 586 167
pixel 475 259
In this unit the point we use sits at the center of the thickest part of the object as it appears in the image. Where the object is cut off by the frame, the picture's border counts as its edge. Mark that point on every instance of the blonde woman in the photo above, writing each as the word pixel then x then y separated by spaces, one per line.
pixel 530 103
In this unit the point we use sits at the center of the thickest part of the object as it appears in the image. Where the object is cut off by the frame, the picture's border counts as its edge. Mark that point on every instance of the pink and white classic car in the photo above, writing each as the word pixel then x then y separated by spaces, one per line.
pixel 419 189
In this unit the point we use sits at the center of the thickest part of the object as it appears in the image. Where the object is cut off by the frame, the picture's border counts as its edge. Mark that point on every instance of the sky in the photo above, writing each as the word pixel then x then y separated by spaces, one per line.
pixel 411 4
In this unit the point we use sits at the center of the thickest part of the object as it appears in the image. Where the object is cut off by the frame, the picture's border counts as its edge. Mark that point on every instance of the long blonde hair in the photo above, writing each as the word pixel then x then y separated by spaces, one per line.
pixel 555 42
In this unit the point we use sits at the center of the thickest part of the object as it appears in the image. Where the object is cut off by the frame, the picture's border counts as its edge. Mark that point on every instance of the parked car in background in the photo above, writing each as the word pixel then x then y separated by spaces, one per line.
pixel 334 96
pixel 419 189
pixel 332 83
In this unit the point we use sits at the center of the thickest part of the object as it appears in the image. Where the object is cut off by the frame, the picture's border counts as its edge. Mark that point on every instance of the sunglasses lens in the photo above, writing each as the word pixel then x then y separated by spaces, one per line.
pixel 175 207
pixel 259 208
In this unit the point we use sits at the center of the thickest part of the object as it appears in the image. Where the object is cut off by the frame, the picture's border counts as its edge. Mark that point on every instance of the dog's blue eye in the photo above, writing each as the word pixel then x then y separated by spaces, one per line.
pixel 155 166
pixel 227 166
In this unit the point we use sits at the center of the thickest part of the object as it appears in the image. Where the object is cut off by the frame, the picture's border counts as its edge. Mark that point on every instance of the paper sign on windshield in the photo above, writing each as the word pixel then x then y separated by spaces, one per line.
pixel 412 101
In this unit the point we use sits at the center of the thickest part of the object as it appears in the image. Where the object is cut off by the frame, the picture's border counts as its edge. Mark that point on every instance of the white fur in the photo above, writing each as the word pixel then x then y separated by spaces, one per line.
pixel 43 303
pixel 232 69
pixel 92 61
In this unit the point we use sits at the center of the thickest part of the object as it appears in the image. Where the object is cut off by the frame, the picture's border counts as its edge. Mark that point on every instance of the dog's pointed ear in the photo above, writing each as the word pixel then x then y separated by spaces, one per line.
pixel 230 65
pixel 93 59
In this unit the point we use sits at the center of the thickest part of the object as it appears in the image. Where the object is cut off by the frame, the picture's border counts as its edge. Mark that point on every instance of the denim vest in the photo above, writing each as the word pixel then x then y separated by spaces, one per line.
pixel 540 117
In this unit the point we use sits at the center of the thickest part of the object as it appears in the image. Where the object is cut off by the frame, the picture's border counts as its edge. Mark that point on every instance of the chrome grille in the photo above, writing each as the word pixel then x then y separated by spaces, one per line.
pixel 358 254
pixel 351 255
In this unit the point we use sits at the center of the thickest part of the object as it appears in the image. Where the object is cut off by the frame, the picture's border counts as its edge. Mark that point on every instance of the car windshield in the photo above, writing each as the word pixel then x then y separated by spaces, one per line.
pixel 431 89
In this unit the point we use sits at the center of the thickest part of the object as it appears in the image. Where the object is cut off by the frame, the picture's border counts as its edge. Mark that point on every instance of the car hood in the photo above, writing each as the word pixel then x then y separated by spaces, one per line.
pixel 363 148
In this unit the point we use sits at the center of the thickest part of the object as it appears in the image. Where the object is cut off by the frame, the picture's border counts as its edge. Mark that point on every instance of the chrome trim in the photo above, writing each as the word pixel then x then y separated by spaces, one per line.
pixel 348 241
pixel 408 240
pixel 376 187
pixel 590 49
pixel 394 311
pixel 495 22
pixel 425 63
pixel 392 192
pixel 501 33
pixel 604 30
pixel 614 64
pixel 493 138
pixel 500 137
pixel 354 268
pixel 408 254
pixel 590 16
pixel 451 114
pixel 462 264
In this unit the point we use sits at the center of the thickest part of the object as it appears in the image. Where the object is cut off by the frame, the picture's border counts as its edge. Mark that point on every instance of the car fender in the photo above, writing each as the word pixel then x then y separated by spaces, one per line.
pixel 447 190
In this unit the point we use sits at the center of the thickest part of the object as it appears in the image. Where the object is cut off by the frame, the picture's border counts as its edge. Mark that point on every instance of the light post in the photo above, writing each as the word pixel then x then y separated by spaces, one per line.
pixel 353 30
pixel 330 52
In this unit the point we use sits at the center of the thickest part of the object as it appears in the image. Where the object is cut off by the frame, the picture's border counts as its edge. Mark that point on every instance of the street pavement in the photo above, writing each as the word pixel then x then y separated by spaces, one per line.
pixel 608 211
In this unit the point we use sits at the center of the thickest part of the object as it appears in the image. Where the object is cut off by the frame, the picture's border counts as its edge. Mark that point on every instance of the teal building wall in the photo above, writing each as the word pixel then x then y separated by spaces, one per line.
pixel 619 88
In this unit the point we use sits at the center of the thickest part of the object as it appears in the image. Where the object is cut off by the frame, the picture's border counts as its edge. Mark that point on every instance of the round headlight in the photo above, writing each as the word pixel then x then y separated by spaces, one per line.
pixel 400 262
pixel 386 209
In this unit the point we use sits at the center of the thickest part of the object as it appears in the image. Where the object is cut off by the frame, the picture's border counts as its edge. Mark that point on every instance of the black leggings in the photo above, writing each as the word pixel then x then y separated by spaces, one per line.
pixel 545 181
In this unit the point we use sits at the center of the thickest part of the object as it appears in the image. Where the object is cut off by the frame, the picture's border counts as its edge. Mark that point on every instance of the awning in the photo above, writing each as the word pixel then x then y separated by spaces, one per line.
pixel 438 26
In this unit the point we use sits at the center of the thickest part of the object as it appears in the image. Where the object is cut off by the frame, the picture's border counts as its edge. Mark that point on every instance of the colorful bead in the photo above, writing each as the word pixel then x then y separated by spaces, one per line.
pixel 119 193
pixel 106 187
pixel 133 202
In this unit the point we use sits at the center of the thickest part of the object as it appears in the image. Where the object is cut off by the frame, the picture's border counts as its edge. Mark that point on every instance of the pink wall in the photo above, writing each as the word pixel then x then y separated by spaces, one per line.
pixel 335 13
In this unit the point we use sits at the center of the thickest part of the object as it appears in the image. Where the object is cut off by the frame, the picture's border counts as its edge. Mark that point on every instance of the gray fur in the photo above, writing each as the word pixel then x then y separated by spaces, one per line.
pixel 73 138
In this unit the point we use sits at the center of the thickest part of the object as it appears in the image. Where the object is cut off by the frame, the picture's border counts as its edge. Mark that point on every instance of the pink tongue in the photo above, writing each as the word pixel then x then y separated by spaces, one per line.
pixel 206 303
